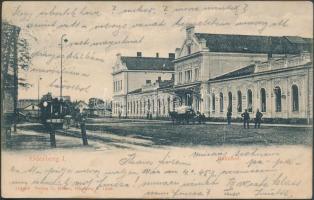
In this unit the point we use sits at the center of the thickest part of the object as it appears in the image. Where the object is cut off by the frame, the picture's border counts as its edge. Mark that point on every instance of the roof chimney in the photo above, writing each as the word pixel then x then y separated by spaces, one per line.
pixel 177 52
pixel 139 54
pixel 203 43
pixel 189 30
pixel 270 48
pixel 157 55
pixel 171 56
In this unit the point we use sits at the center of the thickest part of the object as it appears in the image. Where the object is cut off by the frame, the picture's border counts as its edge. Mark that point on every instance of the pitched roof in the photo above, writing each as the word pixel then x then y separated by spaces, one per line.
pixel 162 84
pixel 239 72
pixel 296 39
pixel 136 91
pixel 31 105
pixel 255 44
pixel 148 63
pixel 166 83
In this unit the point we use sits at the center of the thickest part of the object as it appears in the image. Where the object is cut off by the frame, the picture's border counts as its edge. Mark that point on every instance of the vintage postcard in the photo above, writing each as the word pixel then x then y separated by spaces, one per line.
pixel 157 99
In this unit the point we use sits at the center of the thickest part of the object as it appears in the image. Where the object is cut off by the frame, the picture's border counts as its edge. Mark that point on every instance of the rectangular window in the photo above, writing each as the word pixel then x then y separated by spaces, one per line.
pixel 148 81
pixel 196 74
pixel 188 76
pixel 180 77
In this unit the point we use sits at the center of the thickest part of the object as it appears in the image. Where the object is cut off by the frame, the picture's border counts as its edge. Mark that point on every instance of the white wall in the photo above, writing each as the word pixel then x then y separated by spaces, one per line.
pixel 136 79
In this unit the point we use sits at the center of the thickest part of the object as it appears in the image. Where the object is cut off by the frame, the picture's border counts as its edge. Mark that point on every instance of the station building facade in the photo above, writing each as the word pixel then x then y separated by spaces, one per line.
pixel 214 72
pixel 132 73
pixel 203 57
pixel 154 100
pixel 279 88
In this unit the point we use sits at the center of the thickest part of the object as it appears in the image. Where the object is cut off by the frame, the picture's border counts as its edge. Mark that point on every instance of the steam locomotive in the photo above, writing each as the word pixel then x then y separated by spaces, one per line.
pixel 53 112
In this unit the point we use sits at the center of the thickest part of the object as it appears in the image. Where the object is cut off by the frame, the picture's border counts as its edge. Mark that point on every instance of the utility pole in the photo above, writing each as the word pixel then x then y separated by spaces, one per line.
pixel 61 57
pixel 38 96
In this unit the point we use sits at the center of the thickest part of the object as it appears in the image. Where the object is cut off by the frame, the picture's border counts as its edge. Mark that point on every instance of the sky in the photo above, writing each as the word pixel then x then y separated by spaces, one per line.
pixel 97 31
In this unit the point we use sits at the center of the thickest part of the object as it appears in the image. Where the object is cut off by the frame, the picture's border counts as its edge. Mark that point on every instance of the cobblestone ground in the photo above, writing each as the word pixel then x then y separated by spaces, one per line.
pixel 146 134
pixel 208 134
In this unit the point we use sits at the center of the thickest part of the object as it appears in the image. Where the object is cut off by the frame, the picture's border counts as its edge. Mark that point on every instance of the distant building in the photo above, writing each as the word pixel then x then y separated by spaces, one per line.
pixel 28 108
pixel 81 105
pixel 66 98
pixel 98 108
pixel 131 73
pixel 31 111
pixel 23 103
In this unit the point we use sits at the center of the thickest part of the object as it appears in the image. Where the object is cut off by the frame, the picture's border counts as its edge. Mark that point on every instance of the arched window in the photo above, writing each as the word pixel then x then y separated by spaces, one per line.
pixel 188 100
pixel 148 105
pixel 141 108
pixel 249 101
pixel 144 111
pixel 221 102
pixel 230 101
pixel 239 101
pixel 278 98
pixel 213 102
pixel 153 106
pixel 295 98
pixel 168 102
pixel 163 106
pixel 158 107
pixel 263 100
pixel 136 107
pixel 133 107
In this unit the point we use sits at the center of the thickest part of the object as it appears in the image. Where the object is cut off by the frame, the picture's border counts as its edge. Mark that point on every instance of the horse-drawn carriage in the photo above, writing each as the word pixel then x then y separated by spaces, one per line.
pixel 186 114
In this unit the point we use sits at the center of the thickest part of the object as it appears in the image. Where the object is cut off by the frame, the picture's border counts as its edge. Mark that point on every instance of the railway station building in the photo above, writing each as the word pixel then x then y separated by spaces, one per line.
pixel 135 81
pixel 216 72
pixel 272 74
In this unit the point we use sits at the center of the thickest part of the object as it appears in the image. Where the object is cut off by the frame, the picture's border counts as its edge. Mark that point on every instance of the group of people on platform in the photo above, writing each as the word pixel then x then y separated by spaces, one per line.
pixel 246 118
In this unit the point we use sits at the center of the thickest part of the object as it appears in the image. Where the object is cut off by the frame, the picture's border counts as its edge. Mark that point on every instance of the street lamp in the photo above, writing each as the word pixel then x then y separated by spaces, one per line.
pixel 61 42
pixel 38 95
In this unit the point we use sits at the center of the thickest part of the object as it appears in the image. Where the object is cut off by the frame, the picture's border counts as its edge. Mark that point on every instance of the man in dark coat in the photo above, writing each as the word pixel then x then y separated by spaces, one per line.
pixel 229 113
pixel 258 118
pixel 246 119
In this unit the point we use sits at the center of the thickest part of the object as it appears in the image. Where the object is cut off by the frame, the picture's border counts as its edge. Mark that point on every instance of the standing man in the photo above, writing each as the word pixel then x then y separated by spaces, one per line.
pixel 246 119
pixel 229 114
pixel 258 118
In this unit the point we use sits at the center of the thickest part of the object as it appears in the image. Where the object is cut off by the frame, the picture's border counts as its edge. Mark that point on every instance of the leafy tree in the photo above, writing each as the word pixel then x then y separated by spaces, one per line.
pixel 24 60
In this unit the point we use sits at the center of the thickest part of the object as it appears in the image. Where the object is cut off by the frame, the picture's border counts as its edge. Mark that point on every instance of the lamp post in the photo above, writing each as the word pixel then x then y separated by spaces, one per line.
pixel 38 95
pixel 61 42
